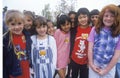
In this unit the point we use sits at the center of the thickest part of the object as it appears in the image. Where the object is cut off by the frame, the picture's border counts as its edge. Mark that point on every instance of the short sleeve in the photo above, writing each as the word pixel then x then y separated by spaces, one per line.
pixel 118 45
pixel 91 35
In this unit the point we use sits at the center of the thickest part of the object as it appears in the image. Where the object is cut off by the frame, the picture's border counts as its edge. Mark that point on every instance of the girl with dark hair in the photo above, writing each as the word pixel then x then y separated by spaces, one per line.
pixel 62 36
pixel 79 53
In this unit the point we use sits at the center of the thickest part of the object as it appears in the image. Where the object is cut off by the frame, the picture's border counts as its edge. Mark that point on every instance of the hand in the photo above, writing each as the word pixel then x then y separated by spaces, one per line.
pixel 102 72
pixel 95 68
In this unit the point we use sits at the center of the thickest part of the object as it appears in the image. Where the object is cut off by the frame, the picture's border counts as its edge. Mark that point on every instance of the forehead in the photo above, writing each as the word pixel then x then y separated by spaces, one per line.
pixel 82 15
pixel 16 20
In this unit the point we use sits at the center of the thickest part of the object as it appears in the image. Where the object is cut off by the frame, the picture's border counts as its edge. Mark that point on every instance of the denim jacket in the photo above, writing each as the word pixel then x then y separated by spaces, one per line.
pixel 11 65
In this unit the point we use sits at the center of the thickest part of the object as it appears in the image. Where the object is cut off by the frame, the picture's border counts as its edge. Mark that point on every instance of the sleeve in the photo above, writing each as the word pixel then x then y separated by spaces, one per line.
pixel 54 50
pixel 118 45
pixel 91 35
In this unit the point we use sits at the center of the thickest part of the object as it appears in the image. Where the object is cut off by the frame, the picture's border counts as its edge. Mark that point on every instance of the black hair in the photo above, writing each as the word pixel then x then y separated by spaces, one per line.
pixel 71 12
pixel 62 20
pixel 81 11
pixel 94 12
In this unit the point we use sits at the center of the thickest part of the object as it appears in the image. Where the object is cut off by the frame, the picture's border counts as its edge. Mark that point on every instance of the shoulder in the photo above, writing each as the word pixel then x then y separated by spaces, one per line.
pixel 51 37
pixel 33 37
pixel 6 37
pixel 58 31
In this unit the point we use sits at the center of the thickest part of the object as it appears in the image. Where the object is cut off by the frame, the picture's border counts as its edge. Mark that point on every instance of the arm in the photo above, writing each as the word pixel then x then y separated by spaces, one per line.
pixel 90 57
pixel 112 63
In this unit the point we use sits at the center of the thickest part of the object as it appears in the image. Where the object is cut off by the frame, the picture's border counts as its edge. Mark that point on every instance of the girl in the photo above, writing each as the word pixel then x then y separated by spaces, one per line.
pixel 16 47
pixel 29 18
pixel 44 51
pixel 79 53
pixel 62 36
pixel 51 28
pixel 71 15
pixel 94 15
pixel 104 44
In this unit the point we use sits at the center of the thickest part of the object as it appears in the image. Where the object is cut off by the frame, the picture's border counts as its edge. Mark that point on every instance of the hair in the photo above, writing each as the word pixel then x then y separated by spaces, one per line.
pixel 119 6
pixel 29 14
pixel 94 12
pixel 39 21
pixel 71 12
pixel 62 20
pixel 115 28
pixel 14 15
pixel 50 21
pixel 84 11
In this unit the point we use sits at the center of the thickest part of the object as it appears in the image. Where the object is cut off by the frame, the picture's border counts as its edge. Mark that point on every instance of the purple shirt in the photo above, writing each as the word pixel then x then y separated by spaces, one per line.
pixel 92 34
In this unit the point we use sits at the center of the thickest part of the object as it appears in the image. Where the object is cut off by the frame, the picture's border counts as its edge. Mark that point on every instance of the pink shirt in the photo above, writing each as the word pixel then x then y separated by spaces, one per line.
pixel 63 48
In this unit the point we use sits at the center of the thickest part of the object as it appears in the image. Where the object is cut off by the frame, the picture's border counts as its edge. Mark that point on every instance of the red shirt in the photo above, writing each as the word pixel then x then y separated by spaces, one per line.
pixel 80 52
pixel 19 42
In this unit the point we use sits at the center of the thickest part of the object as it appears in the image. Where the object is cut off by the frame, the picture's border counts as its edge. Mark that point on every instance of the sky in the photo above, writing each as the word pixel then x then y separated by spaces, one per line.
pixel 38 5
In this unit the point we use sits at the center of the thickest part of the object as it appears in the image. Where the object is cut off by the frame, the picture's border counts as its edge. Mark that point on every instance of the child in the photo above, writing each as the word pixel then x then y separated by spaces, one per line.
pixel 79 58
pixel 118 63
pixel 104 43
pixel 29 18
pixel 44 51
pixel 62 36
pixel 51 28
pixel 71 15
pixel 16 47
pixel 94 15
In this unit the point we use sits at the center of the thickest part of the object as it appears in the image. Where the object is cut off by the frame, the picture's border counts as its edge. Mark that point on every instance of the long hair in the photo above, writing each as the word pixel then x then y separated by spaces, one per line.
pixel 115 28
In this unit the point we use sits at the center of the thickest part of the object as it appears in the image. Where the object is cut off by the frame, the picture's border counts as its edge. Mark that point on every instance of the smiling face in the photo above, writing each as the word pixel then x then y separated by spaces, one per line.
pixel 16 27
pixel 66 27
pixel 28 22
pixel 108 18
pixel 51 28
pixel 41 30
pixel 83 19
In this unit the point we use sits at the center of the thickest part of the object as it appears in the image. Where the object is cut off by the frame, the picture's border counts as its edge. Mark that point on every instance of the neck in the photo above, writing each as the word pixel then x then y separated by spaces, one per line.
pixel 41 37
pixel 85 26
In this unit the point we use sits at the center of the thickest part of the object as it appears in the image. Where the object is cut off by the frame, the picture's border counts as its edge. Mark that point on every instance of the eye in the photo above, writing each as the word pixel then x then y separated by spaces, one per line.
pixel 12 23
pixel 28 20
pixel 19 23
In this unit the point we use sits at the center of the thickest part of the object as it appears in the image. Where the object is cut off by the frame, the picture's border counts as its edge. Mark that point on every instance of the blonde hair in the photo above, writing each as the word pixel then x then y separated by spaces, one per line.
pixel 16 16
pixel 13 15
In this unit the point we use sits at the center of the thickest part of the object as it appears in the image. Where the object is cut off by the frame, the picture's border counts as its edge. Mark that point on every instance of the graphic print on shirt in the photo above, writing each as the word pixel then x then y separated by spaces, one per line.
pixel 66 40
pixel 21 54
pixel 80 53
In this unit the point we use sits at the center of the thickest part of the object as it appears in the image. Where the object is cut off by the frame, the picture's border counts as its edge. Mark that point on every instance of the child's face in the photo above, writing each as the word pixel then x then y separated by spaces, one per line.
pixel 28 22
pixel 83 19
pixel 72 17
pixel 108 19
pixel 41 30
pixel 16 27
pixel 51 29
pixel 94 19
pixel 66 27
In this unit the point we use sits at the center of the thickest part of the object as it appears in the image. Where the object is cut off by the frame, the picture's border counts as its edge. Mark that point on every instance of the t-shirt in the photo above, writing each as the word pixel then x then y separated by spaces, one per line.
pixel 79 53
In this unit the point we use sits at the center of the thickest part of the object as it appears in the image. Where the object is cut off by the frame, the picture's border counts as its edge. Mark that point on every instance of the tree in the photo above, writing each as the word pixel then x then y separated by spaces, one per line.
pixel 46 12
pixel 65 6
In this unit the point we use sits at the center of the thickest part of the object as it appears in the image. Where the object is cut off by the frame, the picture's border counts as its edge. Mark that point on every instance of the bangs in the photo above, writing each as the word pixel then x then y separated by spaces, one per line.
pixel 16 19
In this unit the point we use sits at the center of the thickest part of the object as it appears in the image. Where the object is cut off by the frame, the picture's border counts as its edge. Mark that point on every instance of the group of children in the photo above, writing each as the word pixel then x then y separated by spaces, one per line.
pixel 33 48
